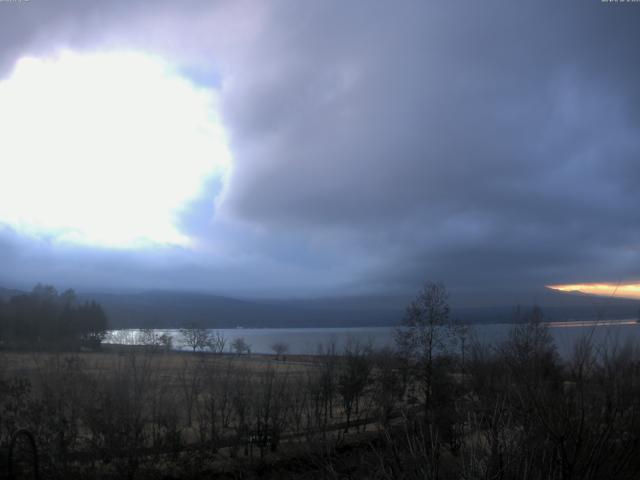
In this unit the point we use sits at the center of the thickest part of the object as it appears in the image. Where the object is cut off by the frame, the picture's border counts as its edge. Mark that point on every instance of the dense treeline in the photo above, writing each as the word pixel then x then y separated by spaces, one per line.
pixel 45 318
pixel 442 405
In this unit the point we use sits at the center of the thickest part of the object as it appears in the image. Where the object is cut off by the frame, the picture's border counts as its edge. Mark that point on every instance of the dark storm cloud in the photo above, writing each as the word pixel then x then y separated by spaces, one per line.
pixel 379 144
pixel 27 260
pixel 483 143
pixel 35 27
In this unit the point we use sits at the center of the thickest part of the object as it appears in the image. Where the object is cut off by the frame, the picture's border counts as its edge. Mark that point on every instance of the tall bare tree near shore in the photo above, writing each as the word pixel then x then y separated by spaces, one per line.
pixel 217 342
pixel 424 334
pixel 195 337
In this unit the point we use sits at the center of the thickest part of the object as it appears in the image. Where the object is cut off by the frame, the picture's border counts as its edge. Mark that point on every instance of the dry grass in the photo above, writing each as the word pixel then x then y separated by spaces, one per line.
pixel 28 364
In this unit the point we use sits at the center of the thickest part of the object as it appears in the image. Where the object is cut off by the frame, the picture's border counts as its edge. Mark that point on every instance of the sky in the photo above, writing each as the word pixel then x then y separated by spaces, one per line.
pixel 291 148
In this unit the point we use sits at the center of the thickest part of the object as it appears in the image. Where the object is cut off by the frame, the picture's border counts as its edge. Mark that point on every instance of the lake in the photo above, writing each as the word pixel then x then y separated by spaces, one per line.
pixel 307 340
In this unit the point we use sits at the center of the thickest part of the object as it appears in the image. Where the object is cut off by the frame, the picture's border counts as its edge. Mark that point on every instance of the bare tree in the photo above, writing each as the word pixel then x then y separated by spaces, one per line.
pixel 195 337
pixel 327 381
pixel 166 341
pixel 240 346
pixel 148 337
pixel 280 349
pixel 217 342
pixel 388 386
pixel 424 333
pixel 354 376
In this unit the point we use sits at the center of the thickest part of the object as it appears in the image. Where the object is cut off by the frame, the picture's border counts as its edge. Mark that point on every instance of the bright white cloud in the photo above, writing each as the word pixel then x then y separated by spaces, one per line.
pixel 104 148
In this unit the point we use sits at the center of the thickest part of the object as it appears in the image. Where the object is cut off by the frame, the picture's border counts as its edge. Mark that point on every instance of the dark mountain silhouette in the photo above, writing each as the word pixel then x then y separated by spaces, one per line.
pixel 162 309
pixel 171 309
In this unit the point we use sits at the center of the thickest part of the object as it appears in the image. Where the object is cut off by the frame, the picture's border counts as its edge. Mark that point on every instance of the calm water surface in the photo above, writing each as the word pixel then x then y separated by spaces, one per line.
pixel 307 340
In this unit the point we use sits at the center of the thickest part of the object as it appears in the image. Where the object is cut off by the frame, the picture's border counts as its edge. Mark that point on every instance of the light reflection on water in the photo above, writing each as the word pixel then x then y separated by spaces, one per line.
pixel 307 340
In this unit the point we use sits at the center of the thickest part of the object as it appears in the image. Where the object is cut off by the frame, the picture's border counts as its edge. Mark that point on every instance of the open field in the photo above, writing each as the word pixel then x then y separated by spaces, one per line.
pixel 122 411
pixel 30 364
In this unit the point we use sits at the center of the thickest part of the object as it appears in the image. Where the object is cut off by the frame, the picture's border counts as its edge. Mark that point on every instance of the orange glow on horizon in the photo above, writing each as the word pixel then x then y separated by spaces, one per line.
pixel 626 290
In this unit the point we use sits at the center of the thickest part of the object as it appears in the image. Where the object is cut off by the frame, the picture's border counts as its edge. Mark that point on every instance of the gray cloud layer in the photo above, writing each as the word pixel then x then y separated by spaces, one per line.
pixel 378 144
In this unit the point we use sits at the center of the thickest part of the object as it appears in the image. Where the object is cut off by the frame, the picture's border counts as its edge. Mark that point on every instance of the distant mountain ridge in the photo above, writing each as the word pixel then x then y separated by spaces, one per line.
pixel 171 309
pixel 166 309
pixel 160 309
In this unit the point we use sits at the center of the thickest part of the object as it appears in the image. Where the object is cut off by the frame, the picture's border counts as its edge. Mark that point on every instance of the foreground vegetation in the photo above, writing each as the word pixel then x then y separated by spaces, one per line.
pixel 439 406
